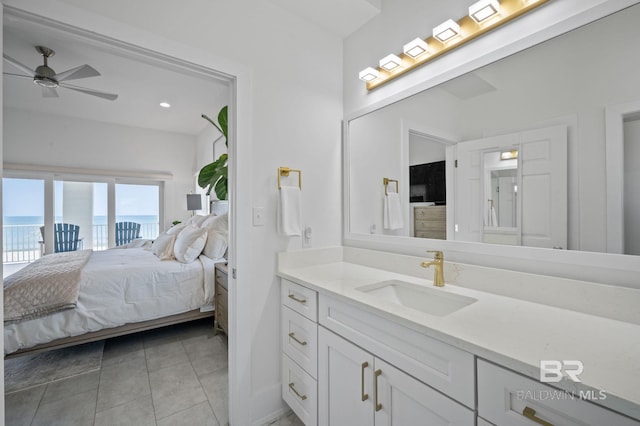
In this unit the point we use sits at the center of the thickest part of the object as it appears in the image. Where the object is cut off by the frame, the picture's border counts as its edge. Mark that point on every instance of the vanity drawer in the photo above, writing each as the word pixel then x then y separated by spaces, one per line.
pixel 300 340
pixel 439 365
pixel 503 396
pixel 300 299
pixel 300 391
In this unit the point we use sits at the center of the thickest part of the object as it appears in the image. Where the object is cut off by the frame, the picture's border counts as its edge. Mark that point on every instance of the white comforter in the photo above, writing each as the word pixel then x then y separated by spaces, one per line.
pixel 119 287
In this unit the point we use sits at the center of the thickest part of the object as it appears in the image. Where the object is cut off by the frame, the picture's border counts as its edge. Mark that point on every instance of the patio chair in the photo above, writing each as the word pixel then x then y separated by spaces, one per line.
pixel 66 237
pixel 126 232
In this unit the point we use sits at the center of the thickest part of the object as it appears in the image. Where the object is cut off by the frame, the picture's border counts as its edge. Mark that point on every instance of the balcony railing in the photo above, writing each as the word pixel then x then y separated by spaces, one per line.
pixel 22 243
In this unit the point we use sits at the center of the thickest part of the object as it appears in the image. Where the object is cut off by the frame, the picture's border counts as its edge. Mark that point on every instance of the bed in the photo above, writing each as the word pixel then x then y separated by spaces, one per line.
pixel 121 291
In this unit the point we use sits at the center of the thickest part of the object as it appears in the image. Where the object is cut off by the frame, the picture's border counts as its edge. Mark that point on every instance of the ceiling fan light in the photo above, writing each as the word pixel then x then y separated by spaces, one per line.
pixel 446 31
pixel 415 48
pixel 165 104
pixel 483 10
pixel 45 82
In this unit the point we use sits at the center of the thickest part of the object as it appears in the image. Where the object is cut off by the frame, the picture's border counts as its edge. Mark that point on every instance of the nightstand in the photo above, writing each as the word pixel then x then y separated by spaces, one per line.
pixel 221 299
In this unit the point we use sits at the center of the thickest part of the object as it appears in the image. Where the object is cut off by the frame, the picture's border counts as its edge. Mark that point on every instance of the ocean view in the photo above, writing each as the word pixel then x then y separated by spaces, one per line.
pixel 21 235
pixel 97 220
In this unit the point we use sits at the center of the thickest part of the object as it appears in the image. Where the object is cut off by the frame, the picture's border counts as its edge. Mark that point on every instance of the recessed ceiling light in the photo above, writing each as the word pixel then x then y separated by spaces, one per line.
pixel 165 104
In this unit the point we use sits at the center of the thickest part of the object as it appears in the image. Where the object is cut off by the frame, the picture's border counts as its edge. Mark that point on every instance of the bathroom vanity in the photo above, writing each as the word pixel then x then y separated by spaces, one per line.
pixel 367 340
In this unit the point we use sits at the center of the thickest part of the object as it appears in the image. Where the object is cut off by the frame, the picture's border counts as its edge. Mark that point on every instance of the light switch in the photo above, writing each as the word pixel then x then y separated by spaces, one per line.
pixel 258 216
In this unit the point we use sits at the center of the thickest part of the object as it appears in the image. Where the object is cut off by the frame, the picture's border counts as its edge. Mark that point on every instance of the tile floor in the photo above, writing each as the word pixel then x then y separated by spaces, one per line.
pixel 174 376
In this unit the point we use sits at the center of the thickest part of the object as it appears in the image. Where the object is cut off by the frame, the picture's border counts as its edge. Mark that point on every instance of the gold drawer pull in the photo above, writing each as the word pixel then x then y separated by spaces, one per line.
pixel 293 297
pixel 530 413
pixel 365 396
pixel 378 373
pixel 293 388
pixel 293 336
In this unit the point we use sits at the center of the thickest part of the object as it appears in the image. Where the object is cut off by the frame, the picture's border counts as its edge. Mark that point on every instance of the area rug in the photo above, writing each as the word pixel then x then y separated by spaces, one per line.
pixel 33 370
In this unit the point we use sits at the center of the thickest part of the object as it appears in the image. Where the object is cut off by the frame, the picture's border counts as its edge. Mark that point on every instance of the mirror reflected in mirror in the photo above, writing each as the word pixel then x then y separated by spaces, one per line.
pixel 511 153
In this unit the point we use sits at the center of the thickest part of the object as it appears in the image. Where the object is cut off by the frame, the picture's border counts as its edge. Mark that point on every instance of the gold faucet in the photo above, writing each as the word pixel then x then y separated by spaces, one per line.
pixel 438 274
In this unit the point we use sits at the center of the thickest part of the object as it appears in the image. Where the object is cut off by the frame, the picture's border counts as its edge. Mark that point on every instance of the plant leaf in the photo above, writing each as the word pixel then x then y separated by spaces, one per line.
pixel 214 124
pixel 221 188
pixel 223 121
pixel 212 173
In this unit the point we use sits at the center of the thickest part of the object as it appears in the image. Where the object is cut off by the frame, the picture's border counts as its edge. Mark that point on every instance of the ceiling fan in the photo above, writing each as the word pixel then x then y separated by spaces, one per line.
pixel 47 78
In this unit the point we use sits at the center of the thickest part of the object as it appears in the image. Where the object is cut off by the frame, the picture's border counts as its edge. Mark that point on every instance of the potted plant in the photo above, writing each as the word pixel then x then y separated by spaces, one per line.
pixel 214 175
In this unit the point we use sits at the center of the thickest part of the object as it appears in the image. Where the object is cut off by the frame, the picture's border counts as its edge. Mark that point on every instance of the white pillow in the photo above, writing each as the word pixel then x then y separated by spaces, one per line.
pixel 189 243
pixel 217 236
pixel 163 246
pixel 196 220
pixel 175 230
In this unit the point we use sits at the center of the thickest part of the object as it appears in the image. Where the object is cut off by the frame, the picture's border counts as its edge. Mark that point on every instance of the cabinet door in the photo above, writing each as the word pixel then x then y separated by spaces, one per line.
pixel 345 379
pixel 404 401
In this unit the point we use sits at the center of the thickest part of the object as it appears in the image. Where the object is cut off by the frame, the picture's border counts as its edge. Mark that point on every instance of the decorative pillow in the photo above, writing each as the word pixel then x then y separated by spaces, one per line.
pixel 217 236
pixel 189 243
pixel 163 246
pixel 208 220
pixel 175 230
pixel 196 220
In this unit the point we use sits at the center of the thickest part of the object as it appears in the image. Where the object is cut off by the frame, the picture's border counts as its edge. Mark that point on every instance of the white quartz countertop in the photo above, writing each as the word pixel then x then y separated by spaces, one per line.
pixel 511 332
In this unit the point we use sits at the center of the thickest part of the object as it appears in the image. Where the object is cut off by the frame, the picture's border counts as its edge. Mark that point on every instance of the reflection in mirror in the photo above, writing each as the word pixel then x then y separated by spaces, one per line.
pixel 501 190
pixel 556 196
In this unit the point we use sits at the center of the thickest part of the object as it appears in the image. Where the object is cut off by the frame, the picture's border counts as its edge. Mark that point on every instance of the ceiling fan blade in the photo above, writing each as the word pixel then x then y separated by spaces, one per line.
pixel 104 95
pixel 18 75
pixel 49 92
pixel 83 71
pixel 22 67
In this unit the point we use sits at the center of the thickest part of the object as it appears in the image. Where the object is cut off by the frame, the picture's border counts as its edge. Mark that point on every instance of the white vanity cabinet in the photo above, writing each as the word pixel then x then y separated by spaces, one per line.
pixel 357 388
pixel 373 371
pixel 507 398
pixel 299 338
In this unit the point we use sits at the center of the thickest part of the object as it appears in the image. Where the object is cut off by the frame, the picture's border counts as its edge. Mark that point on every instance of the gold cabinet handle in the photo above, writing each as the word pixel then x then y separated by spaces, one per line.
pixel 293 388
pixel 293 297
pixel 293 336
pixel 365 396
pixel 530 413
pixel 378 373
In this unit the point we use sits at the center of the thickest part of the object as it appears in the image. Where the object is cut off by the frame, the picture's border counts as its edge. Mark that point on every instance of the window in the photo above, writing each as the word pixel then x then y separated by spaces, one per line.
pixel 139 204
pixel 94 204
pixel 23 215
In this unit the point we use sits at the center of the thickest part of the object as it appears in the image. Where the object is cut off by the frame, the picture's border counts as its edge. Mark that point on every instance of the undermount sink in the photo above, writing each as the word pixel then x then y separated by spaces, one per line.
pixel 432 301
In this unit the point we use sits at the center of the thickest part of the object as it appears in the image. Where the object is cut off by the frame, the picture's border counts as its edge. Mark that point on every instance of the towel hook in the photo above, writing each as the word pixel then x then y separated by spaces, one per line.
pixel 386 181
pixel 285 171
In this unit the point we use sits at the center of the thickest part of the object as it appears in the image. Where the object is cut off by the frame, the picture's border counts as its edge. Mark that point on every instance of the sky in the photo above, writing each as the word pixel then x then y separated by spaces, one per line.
pixel 25 197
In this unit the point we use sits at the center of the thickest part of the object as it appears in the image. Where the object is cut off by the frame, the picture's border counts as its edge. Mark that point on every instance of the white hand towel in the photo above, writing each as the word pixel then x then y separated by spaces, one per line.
pixel 290 208
pixel 392 212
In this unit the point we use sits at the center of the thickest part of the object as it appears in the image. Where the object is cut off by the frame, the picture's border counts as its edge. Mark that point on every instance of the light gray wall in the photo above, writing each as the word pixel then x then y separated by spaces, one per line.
pixel 53 140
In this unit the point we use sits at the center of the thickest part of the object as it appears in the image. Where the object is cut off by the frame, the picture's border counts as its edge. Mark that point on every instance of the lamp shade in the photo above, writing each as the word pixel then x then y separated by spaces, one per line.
pixel 194 202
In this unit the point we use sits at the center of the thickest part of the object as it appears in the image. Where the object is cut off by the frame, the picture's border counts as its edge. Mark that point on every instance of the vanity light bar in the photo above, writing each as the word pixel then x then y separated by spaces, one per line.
pixel 446 31
pixel 415 48
pixel 484 16
pixel 390 62
pixel 509 155
pixel 369 74
pixel 483 10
